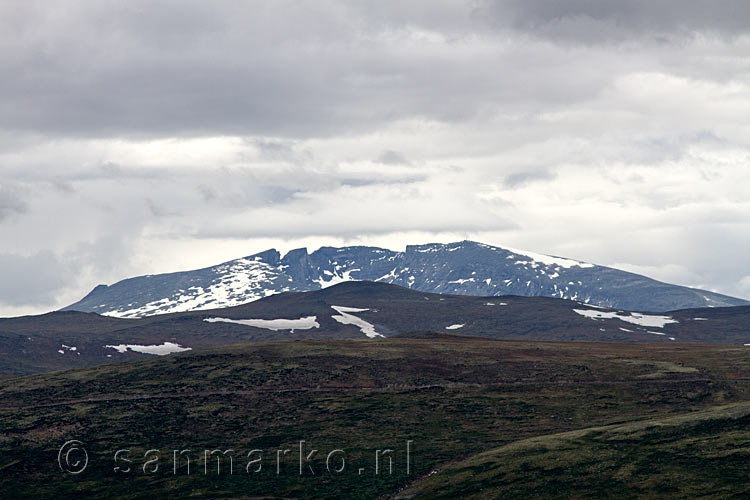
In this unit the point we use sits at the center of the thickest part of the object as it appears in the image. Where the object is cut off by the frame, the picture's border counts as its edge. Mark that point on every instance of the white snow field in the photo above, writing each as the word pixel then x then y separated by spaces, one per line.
pixel 304 323
pixel 158 350
pixel 640 319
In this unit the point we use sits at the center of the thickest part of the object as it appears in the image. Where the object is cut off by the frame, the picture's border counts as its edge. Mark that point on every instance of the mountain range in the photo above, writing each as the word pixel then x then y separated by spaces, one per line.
pixel 462 268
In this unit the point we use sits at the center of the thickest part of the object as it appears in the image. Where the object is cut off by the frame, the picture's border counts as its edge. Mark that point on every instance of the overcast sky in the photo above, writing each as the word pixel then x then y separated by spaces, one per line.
pixel 147 137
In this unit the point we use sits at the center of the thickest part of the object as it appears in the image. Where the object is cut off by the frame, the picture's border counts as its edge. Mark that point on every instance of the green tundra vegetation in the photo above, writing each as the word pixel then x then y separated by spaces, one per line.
pixel 479 418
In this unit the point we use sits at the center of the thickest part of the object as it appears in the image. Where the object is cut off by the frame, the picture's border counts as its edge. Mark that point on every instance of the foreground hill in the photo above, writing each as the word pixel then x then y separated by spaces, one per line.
pixel 451 398
pixel 698 455
pixel 360 310
pixel 464 268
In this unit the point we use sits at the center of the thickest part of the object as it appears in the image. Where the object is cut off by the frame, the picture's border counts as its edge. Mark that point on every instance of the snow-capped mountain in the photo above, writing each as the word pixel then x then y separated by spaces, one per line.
pixel 463 268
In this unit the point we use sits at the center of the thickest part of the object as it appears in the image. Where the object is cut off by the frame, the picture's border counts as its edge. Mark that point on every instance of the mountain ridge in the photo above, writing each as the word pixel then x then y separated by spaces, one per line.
pixel 363 310
pixel 463 268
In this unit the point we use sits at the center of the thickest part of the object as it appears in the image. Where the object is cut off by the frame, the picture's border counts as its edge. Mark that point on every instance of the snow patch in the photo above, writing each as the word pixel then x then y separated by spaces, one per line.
pixel 304 323
pixel 344 317
pixel 158 350
pixel 237 282
pixel 461 281
pixel 349 309
pixel 548 259
pixel 649 320
pixel 336 279
pixel 592 305
pixel 390 276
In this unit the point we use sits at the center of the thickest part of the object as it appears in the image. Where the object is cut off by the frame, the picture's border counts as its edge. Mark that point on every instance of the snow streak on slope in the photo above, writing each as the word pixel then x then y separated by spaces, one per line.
pixel 538 259
pixel 349 319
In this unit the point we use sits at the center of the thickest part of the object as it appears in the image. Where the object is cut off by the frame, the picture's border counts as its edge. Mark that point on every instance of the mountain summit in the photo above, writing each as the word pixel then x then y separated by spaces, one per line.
pixel 462 268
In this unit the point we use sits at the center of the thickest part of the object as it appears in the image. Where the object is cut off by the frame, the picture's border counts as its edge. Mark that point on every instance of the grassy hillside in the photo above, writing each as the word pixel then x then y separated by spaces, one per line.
pixel 702 454
pixel 452 397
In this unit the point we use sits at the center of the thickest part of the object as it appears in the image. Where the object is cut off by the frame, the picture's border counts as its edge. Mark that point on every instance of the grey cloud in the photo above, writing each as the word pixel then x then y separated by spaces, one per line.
pixel 156 209
pixel 295 70
pixel 307 225
pixel 63 185
pixel 672 147
pixel 36 279
pixel 208 193
pixel 391 157
pixel 523 178
pixel 112 169
pixel 279 150
pixel 370 181
pixel 12 201
pixel 617 20
pixel 240 191
pixel 156 69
